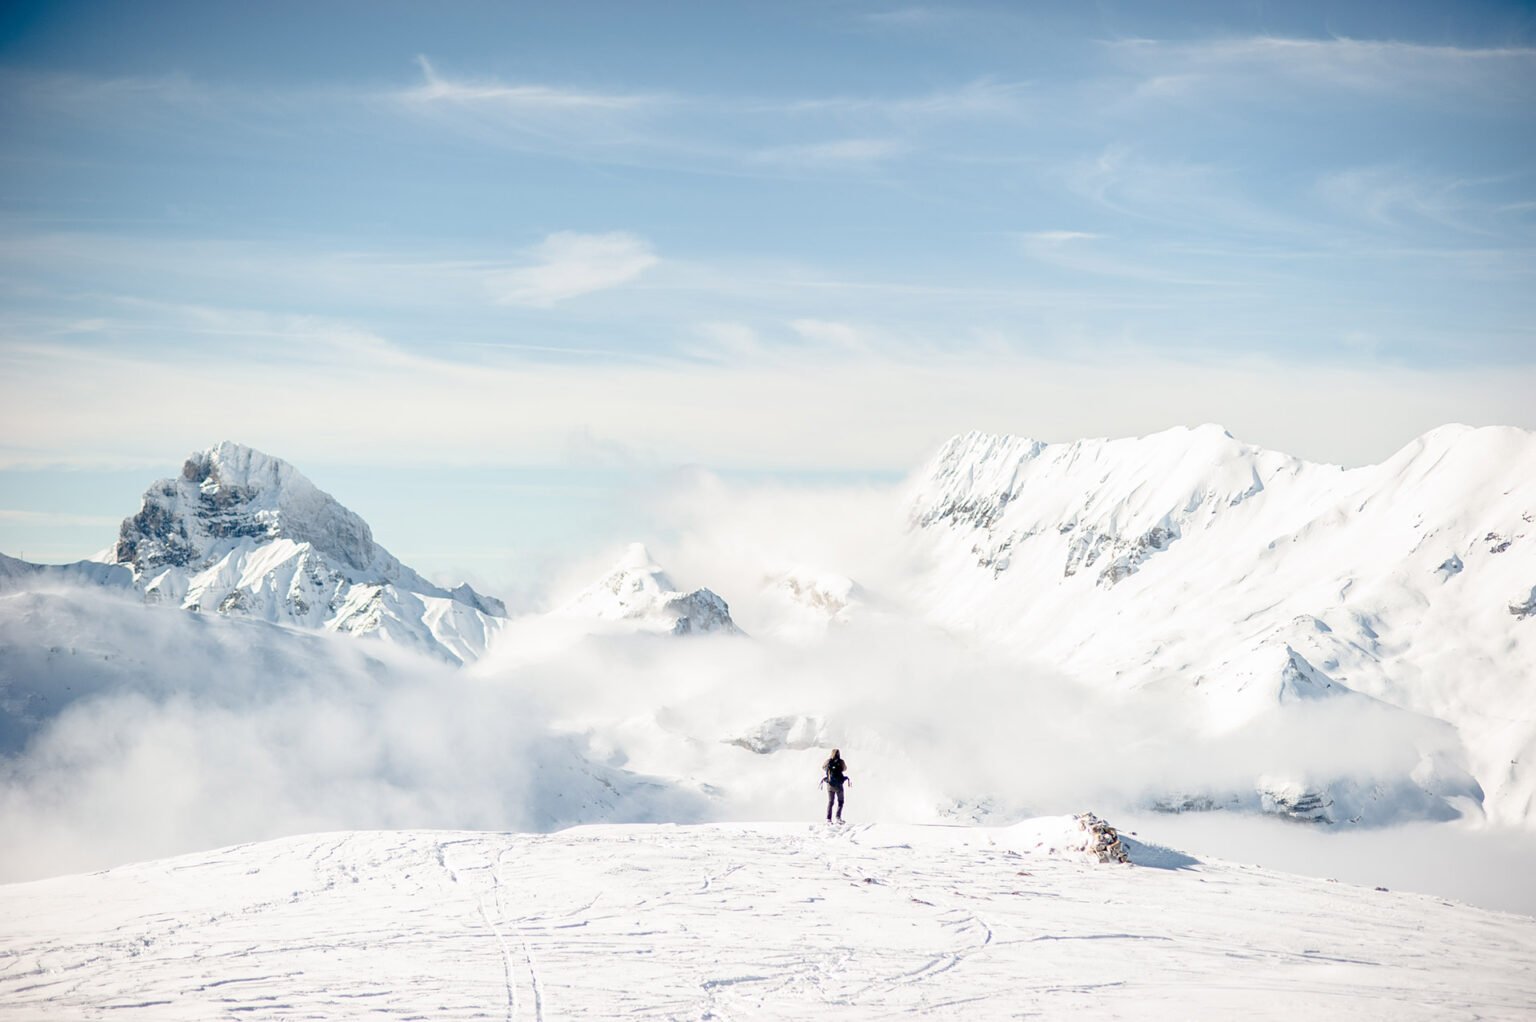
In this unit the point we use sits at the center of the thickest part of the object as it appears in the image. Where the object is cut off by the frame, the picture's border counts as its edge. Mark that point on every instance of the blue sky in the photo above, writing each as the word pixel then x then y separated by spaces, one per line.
pixel 562 250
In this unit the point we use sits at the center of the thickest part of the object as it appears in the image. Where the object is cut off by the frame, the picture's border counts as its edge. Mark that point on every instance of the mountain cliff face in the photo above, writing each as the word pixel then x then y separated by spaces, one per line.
pixel 1244 580
pixel 240 532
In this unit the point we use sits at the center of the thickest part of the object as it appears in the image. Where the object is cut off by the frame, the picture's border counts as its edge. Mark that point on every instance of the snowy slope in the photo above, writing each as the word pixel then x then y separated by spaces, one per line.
pixel 742 921
pixel 1240 580
pixel 242 533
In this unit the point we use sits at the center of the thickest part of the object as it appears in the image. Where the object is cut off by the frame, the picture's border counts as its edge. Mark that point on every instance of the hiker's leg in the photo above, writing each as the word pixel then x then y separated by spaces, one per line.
pixel 839 802
pixel 831 794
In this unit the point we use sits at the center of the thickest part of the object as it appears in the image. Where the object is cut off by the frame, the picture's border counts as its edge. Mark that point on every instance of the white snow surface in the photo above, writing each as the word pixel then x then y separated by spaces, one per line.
pixel 763 921
pixel 240 532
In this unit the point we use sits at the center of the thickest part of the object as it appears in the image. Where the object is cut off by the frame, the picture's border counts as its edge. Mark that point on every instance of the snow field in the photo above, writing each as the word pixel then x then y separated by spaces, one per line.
pixel 741 921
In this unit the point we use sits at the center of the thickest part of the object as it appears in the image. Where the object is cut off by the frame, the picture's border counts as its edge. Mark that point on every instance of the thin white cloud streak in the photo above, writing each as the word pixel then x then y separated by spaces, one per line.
pixel 77 94
pixel 1398 197
pixel 570 264
pixel 679 130
pixel 846 152
pixel 54 518
pixel 1200 197
pixel 1385 67
pixel 1055 237
pixel 435 88
pixel 1073 250
pixel 984 97
pixel 809 407
pixel 915 16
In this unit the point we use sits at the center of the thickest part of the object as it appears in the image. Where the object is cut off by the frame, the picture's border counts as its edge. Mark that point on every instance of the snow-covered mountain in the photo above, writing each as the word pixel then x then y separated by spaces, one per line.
pixel 242 533
pixel 758 921
pixel 18 574
pixel 1181 621
pixel 1244 581
pixel 637 595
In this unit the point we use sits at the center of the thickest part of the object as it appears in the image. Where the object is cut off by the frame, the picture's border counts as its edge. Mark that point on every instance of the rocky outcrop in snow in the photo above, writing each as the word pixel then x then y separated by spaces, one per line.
pixel 1101 840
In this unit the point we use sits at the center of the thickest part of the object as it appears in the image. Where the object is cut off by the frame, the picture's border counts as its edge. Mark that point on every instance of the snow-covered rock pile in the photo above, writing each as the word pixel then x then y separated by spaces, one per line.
pixel 1102 841
pixel 1082 834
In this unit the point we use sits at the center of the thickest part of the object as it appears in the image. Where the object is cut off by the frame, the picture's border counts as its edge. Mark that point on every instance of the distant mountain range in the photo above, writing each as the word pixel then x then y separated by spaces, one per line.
pixel 1228 582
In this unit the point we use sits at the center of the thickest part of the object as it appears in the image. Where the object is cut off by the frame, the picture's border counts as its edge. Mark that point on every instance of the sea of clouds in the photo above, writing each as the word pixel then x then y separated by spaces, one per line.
pixel 130 732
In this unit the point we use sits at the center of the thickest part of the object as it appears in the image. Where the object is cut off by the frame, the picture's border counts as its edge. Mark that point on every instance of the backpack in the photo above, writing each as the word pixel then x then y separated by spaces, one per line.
pixel 835 771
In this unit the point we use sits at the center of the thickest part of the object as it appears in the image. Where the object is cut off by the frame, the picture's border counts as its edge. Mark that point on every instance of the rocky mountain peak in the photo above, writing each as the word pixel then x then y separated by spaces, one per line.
pixel 229 493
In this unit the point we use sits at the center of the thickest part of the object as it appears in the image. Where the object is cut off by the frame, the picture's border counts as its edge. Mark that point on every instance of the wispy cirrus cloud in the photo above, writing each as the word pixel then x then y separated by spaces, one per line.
pixel 1193 195
pixel 11 515
pixel 1395 196
pixel 568 264
pixel 1366 65
pixel 71 93
pixel 911 16
pixel 1059 237
pixel 842 152
pixel 981 97
pixel 1086 253
pixel 439 88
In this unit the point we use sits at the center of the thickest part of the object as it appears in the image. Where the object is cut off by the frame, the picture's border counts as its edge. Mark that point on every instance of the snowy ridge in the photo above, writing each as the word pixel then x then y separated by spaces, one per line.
pixel 1114 503
pixel 770 921
pixel 1246 580
pixel 18 574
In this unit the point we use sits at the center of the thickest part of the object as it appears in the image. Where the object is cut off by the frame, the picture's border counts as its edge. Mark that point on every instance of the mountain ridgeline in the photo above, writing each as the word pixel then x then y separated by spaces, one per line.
pixel 1243 581
pixel 1234 587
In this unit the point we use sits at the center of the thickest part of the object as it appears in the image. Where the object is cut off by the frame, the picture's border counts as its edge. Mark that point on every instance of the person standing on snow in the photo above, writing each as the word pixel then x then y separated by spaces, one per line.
pixel 834 776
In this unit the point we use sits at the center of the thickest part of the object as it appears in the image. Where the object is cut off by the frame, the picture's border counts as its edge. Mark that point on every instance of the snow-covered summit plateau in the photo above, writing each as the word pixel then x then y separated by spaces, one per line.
pixel 763 921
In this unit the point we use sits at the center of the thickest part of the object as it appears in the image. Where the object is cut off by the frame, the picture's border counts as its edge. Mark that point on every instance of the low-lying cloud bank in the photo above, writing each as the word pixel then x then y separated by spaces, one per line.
pixel 135 732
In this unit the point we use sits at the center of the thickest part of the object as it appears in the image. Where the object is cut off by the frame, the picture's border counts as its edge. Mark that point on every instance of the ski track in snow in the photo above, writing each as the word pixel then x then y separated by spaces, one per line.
pixel 736 921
